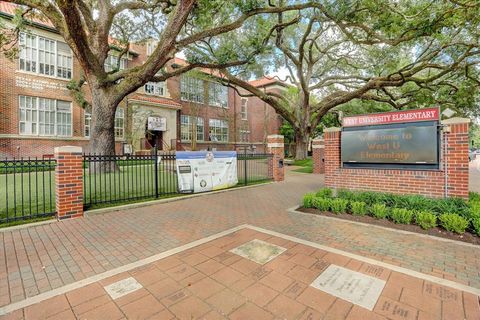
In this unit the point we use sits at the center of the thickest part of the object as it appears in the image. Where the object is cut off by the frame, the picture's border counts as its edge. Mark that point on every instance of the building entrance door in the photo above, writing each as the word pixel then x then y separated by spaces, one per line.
pixel 154 139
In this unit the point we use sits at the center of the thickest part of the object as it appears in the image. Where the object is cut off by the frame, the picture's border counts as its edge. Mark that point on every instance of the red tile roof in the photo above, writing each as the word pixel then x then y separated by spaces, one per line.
pixel 266 80
pixel 157 100
pixel 10 8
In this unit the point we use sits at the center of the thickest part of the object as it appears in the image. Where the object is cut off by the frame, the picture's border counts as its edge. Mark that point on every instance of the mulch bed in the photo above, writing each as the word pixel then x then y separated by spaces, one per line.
pixel 437 232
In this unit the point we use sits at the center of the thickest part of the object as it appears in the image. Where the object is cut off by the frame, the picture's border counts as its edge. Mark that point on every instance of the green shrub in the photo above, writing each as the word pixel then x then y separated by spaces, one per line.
pixel 359 208
pixel 474 197
pixel 401 215
pixel 453 222
pixel 339 205
pixel 379 210
pixel 476 225
pixel 325 193
pixel 322 204
pixel 346 194
pixel 308 200
pixel 426 220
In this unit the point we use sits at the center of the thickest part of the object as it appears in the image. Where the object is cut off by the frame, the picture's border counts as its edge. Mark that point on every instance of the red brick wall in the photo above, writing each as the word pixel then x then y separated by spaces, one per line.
pixel 68 182
pixel 318 156
pixel 275 146
pixel 430 183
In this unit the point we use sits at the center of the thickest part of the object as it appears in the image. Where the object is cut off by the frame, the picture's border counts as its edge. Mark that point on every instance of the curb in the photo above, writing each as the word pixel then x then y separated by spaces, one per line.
pixel 427 236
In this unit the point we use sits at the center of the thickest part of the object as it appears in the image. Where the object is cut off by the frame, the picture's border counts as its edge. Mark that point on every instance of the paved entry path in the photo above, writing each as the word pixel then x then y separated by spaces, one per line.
pixel 37 259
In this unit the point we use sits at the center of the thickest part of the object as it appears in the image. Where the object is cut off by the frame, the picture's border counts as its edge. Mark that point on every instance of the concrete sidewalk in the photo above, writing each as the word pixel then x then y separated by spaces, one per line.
pixel 38 259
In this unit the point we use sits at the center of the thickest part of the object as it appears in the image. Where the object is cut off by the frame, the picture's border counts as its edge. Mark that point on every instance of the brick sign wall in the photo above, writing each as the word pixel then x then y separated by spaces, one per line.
pixel 431 183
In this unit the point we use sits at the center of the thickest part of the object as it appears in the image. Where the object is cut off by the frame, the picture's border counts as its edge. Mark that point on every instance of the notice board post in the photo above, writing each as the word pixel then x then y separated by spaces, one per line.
pixel 391 158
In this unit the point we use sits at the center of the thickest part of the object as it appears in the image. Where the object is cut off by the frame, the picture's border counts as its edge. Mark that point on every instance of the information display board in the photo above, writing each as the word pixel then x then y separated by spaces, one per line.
pixel 408 145
pixel 400 139
pixel 200 171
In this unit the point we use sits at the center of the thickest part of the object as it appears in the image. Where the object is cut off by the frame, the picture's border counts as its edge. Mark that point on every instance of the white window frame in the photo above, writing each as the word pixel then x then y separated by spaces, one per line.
pixel 218 130
pixel 32 124
pixel 111 62
pixel 244 135
pixel 192 89
pixel 119 125
pixel 244 108
pixel 151 45
pixel 31 56
pixel 217 95
pixel 186 128
pixel 155 88
pixel 119 117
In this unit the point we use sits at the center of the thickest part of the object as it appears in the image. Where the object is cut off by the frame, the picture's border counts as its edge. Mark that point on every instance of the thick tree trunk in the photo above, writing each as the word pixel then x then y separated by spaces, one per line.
pixel 102 135
pixel 301 144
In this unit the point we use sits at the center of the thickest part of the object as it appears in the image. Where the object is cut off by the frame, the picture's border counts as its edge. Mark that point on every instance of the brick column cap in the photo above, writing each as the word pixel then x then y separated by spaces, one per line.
pixel 332 129
pixel 274 136
pixel 456 120
pixel 68 149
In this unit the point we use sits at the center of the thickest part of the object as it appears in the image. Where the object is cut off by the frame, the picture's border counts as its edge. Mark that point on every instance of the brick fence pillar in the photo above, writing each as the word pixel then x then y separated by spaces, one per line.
pixel 456 162
pixel 275 146
pixel 69 182
pixel 332 155
pixel 318 156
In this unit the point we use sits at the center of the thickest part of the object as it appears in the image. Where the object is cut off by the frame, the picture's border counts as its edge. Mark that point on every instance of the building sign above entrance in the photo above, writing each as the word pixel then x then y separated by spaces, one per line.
pixel 427 114
pixel 157 123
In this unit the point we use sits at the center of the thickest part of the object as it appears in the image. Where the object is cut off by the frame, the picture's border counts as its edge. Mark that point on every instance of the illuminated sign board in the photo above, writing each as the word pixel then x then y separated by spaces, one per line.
pixel 400 139
pixel 414 145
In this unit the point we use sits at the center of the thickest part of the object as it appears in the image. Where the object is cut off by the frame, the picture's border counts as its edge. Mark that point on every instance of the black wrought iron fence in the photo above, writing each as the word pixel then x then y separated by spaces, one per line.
pixel 110 179
pixel 27 189
pixel 254 168
pixel 114 179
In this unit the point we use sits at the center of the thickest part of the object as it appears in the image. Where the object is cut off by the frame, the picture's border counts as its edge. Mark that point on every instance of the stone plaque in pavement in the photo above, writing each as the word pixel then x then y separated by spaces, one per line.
pixel 258 251
pixel 123 287
pixel 349 285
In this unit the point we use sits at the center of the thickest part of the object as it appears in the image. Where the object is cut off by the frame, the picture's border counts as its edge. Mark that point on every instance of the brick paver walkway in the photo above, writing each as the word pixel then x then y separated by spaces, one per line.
pixel 39 258
pixel 209 282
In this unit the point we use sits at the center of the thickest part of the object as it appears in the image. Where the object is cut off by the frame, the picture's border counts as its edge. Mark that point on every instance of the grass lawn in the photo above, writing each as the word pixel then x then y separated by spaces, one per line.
pixel 29 194
pixel 306 165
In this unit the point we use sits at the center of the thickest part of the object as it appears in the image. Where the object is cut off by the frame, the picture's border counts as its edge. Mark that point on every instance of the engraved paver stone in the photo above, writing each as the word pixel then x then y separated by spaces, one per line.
pixel 258 251
pixel 123 287
pixel 349 285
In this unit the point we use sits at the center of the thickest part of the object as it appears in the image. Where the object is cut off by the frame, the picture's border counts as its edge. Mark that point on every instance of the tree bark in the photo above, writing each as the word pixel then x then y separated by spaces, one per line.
pixel 102 135
pixel 301 144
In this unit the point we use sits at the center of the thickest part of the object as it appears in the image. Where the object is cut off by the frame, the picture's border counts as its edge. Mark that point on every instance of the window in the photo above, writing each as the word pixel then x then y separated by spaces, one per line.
pixel 45 117
pixel 45 56
pixel 151 47
pixel 244 136
pixel 64 118
pixel 111 63
pixel 243 109
pixel 191 89
pixel 200 129
pixel 64 61
pixel 155 88
pixel 217 95
pixel 88 122
pixel 186 128
pixel 119 123
pixel 218 130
